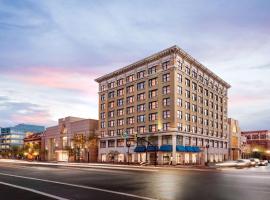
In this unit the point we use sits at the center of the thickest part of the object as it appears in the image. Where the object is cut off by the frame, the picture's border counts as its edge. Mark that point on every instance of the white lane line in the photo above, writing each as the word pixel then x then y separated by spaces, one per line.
pixel 33 190
pixel 80 186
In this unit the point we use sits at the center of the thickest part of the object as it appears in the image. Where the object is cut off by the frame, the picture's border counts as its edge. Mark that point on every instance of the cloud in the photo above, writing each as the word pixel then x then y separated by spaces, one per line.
pixel 13 112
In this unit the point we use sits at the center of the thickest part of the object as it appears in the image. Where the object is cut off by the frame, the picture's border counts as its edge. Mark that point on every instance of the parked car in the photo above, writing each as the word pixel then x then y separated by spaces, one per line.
pixel 243 163
pixel 254 161
pixel 228 163
pixel 263 162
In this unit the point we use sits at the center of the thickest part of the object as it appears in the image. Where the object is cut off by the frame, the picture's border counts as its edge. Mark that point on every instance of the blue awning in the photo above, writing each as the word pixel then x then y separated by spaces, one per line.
pixel 196 149
pixel 180 148
pixel 139 149
pixel 192 149
pixel 152 148
pixel 166 148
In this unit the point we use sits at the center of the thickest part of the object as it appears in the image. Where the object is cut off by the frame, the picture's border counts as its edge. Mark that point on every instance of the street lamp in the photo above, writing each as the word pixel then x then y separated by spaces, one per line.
pixel 128 143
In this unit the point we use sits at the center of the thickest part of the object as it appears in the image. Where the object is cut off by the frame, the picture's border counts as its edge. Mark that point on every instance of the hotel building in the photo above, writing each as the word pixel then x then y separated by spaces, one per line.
pixel 173 102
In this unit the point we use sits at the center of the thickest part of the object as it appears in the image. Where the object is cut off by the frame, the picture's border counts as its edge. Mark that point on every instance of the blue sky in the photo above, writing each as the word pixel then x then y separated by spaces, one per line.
pixel 51 51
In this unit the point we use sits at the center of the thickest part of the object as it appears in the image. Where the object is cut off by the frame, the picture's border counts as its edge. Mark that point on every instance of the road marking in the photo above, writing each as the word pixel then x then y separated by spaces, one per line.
pixel 34 191
pixel 80 186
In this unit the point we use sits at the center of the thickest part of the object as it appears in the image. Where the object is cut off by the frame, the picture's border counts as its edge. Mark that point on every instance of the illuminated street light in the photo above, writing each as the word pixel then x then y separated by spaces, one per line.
pixel 255 150
pixel 267 151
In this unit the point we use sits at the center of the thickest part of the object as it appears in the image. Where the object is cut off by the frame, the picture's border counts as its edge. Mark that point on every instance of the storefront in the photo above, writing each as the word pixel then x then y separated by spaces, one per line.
pixel 186 155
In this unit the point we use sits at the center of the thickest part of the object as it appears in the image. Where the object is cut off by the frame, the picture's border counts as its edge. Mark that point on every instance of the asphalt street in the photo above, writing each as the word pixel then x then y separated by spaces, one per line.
pixel 24 182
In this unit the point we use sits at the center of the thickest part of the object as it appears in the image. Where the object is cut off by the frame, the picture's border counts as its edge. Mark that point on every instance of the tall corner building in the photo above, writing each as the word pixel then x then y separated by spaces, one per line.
pixel 175 105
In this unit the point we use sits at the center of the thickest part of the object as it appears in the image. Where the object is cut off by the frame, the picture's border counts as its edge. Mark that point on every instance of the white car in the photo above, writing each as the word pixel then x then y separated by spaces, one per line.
pixel 263 162
pixel 228 163
pixel 243 163
pixel 254 161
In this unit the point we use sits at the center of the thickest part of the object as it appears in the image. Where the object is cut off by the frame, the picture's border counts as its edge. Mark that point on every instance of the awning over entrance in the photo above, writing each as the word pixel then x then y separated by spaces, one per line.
pixel 166 148
pixel 152 148
pixel 181 148
pixel 139 149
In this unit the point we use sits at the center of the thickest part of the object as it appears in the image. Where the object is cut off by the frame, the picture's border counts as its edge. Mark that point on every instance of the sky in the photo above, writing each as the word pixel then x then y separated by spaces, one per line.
pixel 51 51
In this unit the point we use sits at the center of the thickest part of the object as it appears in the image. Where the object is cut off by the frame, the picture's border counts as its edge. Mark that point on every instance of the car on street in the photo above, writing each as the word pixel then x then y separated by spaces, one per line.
pixel 227 163
pixel 254 161
pixel 263 162
pixel 243 163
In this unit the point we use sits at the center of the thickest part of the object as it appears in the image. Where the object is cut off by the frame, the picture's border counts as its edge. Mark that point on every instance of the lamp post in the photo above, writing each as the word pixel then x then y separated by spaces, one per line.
pixel 128 143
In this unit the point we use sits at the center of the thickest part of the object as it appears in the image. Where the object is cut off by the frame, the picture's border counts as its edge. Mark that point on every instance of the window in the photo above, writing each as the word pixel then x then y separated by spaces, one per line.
pixel 152 70
pixel 141 129
pixel 187 93
pixel 166 89
pixel 141 118
pixel 111 114
pixel 194 108
pixel 130 131
pixel 165 126
pixel 130 78
pixel 179 78
pixel 120 131
pixel 102 144
pixel 120 112
pixel 194 118
pixel 111 143
pixel 130 120
pixel 102 115
pixel 187 117
pixel 194 97
pixel 179 90
pixel 120 82
pixel 140 74
pixel 205 92
pixel 140 86
pixel 179 64
pixel 153 93
pixel 120 102
pixel 111 104
pixel 179 102
pixel 187 105
pixel 187 70
pixel 130 99
pixel 111 123
pixel 120 92
pixel 141 97
pixel 130 110
pixel 165 65
pixel 166 101
pixel 152 116
pixel 194 86
pixel 179 126
pixel 111 94
pixel 153 128
pixel 141 108
pixel 152 82
pixel 102 125
pixel 120 143
pixel 111 85
pixel 130 89
pixel 102 88
pixel 179 114
pixel 153 105
pixel 120 122
pixel 102 97
pixel 166 114
pixel 166 77
pixel 187 82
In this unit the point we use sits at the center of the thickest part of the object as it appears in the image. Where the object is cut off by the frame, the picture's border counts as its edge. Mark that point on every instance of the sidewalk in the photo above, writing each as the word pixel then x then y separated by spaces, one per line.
pixel 108 166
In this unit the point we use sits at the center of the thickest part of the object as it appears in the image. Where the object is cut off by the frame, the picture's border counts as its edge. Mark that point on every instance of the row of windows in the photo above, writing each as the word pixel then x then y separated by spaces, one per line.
pixel 131 78
pixel 167 140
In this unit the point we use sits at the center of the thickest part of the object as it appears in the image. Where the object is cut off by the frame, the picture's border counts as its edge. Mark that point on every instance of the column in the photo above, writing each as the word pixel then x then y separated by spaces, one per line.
pixel 174 148
pixel 159 153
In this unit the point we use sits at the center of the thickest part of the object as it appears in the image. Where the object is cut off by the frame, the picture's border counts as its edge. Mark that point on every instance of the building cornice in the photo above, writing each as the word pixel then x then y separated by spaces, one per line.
pixel 174 49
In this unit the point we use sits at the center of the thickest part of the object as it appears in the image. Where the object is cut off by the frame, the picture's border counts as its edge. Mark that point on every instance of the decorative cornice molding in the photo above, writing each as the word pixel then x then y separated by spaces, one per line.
pixel 171 50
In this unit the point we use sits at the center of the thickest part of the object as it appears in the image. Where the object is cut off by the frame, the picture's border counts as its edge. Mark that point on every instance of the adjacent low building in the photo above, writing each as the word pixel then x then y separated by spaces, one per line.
pixel 72 139
pixel 32 146
pixel 259 142
pixel 234 139
pixel 12 137
pixel 175 105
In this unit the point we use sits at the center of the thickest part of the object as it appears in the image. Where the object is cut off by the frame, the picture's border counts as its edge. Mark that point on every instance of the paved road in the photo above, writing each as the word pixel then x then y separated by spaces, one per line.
pixel 52 182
